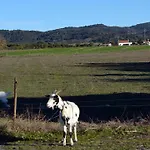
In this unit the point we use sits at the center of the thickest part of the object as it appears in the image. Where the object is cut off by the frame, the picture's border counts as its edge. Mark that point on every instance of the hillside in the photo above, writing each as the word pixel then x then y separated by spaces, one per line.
pixel 93 33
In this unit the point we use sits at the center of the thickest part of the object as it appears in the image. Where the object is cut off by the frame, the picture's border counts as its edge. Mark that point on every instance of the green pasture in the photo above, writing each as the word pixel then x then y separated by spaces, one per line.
pixel 71 50
pixel 76 71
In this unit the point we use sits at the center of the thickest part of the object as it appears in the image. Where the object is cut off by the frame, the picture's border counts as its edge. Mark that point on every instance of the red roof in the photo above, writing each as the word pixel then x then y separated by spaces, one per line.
pixel 123 41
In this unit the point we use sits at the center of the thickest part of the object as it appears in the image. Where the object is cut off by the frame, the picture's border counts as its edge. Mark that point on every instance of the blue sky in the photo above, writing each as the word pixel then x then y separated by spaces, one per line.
pixel 44 15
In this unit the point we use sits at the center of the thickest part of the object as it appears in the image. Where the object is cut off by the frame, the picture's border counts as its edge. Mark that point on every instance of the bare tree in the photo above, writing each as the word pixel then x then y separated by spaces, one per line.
pixel 3 43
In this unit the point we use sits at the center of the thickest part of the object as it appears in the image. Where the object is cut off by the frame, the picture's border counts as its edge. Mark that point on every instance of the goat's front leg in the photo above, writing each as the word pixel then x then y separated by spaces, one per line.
pixel 70 133
pixel 75 133
pixel 64 135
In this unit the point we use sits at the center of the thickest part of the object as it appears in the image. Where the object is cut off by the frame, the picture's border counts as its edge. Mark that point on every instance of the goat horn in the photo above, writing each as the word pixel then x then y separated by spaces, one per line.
pixel 58 91
pixel 55 91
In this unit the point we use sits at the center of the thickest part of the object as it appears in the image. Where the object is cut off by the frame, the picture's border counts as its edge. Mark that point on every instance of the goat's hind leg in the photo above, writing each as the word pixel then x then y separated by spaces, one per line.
pixel 75 132
pixel 64 135
pixel 70 132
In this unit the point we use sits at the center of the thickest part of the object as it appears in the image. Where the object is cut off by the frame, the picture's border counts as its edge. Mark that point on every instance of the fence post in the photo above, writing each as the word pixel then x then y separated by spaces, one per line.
pixel 15 98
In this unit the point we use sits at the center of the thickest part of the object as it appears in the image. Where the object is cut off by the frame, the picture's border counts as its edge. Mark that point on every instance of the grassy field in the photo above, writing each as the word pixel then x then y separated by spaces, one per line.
pixel 92 74
pixel 72 50
pixel 76 71
pixel 39 135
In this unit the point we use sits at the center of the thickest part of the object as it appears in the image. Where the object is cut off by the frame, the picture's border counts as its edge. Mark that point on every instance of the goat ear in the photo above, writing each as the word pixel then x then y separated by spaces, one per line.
pixel 47 95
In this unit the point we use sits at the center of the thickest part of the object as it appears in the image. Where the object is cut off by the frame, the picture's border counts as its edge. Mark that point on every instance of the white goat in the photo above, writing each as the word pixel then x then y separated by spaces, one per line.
pixel 3 98
pixel 68 115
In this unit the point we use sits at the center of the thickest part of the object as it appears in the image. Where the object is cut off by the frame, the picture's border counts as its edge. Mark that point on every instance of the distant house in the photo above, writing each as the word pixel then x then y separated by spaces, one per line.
pixel 107 44
pixel 124 42
pixel 147 42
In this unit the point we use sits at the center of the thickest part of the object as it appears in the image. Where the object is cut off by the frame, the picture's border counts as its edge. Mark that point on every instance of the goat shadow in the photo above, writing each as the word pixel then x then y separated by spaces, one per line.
pixel 95 108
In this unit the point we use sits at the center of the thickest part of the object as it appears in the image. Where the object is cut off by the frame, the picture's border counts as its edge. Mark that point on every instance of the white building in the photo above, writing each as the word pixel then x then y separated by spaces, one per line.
pixel 147 42
pixel 109 44
pixel 124 42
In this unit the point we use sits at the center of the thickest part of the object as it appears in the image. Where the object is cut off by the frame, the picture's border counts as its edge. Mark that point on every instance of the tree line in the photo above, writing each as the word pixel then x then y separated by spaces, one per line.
pixel 42 45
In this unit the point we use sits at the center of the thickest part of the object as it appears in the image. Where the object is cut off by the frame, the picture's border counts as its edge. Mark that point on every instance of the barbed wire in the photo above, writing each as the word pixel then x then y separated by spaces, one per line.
pixel 98 100
pixel 86 106
pixel 107 103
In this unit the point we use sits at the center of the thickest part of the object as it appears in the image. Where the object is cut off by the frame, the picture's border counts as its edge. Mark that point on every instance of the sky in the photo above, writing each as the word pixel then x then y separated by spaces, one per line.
pixel 44 15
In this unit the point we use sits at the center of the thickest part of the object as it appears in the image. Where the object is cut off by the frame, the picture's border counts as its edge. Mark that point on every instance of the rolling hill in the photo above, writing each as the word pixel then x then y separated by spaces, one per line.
pixel 85 34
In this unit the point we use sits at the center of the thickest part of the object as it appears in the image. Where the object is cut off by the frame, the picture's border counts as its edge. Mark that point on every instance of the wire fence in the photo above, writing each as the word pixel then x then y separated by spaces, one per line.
pixel 83 104
pixel 90 107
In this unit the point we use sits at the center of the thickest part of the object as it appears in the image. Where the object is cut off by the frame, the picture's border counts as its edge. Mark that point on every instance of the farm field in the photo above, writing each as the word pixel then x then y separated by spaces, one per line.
pixel 117 77
pixel 71 50
pixel 107 83
pixel 101 71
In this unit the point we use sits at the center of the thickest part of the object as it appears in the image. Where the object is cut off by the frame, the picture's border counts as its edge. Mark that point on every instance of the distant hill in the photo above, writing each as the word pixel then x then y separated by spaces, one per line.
pixel 94 33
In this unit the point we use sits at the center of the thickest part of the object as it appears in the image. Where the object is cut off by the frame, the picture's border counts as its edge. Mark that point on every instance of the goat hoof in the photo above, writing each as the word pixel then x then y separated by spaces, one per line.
pixel 60 142
pixel 72 143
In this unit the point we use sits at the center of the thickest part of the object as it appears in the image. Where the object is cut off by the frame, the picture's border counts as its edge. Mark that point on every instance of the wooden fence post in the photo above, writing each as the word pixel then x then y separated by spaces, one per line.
pixel 15 98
